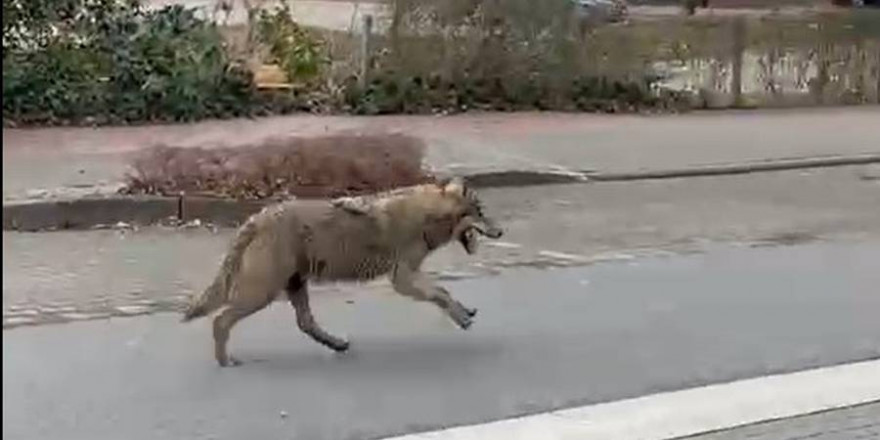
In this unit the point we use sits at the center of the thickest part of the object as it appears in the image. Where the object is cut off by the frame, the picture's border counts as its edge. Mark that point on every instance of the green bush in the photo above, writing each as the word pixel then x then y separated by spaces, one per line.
pixel 394 94
pixel 457 55
pixel 112 61
pixel 298 53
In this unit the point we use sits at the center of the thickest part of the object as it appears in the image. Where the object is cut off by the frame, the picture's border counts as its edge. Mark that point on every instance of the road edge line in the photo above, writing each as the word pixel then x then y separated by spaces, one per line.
pixel 689 412
pixel 88 213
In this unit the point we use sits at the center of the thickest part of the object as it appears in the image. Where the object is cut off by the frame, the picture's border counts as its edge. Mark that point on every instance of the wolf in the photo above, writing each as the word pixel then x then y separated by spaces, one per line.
pixel 289 244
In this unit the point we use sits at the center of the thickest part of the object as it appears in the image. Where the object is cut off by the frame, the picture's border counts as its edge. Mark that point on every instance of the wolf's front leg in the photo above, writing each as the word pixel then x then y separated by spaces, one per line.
pixel 471 311
pixel 417 286
pixel 298 294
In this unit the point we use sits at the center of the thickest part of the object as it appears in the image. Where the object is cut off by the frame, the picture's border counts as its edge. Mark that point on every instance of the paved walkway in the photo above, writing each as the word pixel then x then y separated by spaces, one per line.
pixel 334 15
pixel 64 162
pixel 341 15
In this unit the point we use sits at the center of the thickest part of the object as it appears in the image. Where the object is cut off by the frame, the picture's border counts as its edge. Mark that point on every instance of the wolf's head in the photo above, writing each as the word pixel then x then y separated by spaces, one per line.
pixel 472 218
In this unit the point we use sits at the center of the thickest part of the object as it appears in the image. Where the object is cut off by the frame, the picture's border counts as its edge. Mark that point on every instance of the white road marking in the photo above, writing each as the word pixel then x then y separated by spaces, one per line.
pixel 503 244
pixel 694 411
pixel 561 256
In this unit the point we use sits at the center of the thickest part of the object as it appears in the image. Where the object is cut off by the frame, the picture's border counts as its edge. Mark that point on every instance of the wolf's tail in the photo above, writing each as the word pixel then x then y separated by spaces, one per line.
pixel 218 292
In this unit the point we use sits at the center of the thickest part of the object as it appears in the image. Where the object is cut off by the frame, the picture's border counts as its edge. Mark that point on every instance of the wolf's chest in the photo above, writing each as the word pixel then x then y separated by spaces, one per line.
pixel 354 255
pixel 344 246
pixel 351 264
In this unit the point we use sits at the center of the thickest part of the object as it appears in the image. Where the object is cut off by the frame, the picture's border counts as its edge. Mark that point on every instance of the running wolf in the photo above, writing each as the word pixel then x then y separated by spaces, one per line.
pixel 286 245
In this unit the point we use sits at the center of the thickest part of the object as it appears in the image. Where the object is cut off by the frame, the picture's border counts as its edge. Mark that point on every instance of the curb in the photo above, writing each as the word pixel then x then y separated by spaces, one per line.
pixel 738 168
pixel 496 179
pixel 95 213
pixel 91 213
pixel 508 178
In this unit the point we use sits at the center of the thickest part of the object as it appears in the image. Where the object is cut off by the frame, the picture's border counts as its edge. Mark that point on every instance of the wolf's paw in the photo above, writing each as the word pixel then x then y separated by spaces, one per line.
pixel 461 315
pixel 463 321
pixel 340 346
pixel 229 361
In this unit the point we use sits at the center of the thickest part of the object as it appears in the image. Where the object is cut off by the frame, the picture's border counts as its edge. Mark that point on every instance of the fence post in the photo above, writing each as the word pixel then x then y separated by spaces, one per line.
pixel 860 67
pixel 820 83
pixel 366 35
pixel 877 65
pixel 738 53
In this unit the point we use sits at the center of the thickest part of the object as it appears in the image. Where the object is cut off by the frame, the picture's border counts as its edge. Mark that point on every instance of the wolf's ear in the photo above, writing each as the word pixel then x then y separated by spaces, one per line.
pixel 453 185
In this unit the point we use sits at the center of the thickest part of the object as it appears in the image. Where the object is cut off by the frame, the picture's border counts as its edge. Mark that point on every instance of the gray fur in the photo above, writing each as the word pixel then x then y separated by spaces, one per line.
pixel 287 245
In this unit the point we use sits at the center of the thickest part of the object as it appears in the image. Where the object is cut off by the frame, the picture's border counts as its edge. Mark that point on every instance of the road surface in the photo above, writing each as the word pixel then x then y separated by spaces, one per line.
pixel 62 276
pixel 544 339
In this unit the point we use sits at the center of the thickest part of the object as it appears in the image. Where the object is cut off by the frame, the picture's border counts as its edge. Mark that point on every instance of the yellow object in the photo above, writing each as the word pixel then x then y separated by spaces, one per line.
pixel 271 76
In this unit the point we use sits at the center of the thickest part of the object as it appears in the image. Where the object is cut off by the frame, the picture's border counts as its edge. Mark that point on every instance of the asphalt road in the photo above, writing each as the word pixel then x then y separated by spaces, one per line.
pixel 544 339
pixel 73 275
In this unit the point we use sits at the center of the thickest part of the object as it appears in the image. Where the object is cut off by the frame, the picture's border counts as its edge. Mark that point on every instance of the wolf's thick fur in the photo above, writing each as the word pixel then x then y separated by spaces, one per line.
pixel 349 239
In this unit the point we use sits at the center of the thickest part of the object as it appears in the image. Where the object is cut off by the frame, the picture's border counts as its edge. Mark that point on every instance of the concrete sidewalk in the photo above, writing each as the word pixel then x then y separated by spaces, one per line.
pixel 65 162
pixel 347 15
pixel 61 178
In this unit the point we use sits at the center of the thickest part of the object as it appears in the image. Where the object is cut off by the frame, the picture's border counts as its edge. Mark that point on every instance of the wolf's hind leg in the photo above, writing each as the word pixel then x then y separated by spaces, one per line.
pixel 298 293
pixel 253 291
pixel 415 285
pixel 224 322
